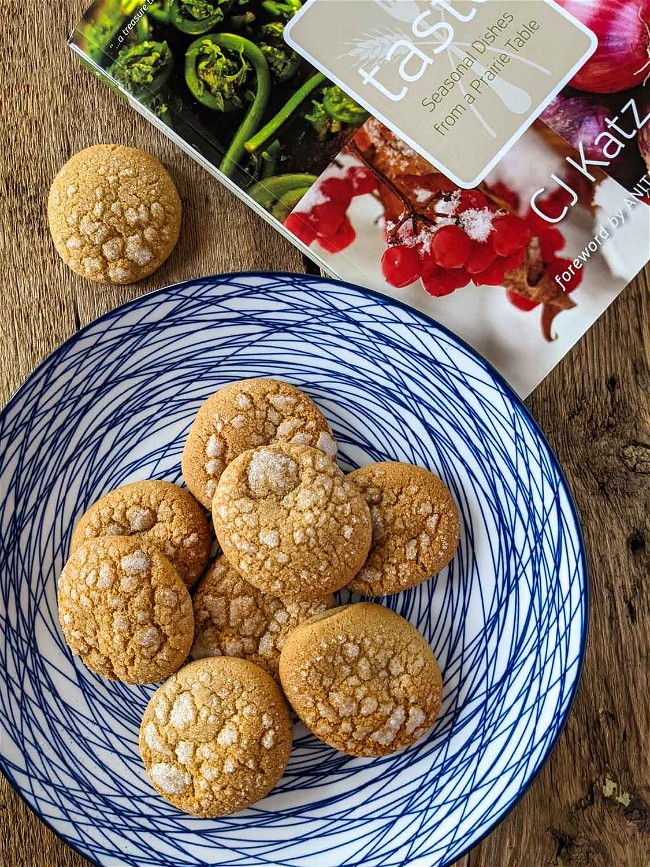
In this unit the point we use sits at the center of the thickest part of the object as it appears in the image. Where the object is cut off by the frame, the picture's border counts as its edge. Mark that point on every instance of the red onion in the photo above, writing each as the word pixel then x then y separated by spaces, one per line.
pixel 622 58
pixel 578 119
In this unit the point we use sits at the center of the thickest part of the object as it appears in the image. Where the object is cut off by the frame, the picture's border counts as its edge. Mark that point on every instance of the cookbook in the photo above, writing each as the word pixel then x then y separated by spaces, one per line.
pixel 484 161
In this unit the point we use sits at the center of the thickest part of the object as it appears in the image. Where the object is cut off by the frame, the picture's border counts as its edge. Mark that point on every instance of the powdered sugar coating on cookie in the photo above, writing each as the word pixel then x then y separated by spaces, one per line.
pixel 244 415
pixel 289 522
pixel 415 527
pixel 162 514
pixel 124 610
pixel 233 618
pixel 216 737
pixel 362 679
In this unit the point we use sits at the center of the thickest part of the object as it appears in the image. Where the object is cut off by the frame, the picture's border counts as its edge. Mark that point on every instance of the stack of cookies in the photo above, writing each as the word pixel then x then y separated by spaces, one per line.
pixel 263 626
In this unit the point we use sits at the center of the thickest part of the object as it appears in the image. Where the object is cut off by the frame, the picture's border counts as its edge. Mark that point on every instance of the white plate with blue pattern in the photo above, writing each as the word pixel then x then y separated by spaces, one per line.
pixel 507 619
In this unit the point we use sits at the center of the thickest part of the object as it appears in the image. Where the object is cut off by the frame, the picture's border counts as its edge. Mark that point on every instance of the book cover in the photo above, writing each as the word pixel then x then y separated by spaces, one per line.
pixel 521 263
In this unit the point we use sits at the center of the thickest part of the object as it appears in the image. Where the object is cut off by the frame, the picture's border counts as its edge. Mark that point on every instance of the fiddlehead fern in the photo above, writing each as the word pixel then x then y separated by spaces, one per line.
pixel 271 129
pixel 283 61
pixel 143 68
pixel 283 9
pixel 196 17
pixel 279 195
pixel 159 11
pixel 334 110
pixel 226 73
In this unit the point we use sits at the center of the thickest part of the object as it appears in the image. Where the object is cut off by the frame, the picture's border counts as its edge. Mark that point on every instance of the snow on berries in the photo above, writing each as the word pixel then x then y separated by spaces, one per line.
pixel 462 238
pixel 362 180
pixel 477 223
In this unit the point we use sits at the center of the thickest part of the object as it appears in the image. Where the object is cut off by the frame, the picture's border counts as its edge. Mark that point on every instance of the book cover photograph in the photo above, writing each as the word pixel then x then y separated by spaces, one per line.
pixel 220 76
pixel 519 264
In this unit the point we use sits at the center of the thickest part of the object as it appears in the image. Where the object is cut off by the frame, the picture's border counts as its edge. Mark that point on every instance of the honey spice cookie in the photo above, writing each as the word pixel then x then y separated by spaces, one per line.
pixel 362 679
pixel 289 521
pixel 158 512
pixel 415 527
pixel 233 618
pixel 124 610
pixel 216 737
pixel 242 416
pixel 114 213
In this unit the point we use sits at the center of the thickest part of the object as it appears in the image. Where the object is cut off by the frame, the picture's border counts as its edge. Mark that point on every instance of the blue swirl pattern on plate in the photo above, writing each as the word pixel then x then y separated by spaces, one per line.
pixel 507 619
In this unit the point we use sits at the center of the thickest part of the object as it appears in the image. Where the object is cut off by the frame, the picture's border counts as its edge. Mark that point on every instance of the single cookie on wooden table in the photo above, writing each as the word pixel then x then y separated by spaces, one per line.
pixel 124 610
pixel 114 213
pixel 242 416
pixel 158 512
pixel 289 522
pixel 216 737
pixel 233 618
pixel 415 527
pixel 362 679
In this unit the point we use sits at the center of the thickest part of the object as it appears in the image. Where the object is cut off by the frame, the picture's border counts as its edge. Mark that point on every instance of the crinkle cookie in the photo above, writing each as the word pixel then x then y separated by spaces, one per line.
pixel 159 513
pixel 289 521
pixel 362 679
pixel 233 618
pixel 241 416
pixel 114 213
pixel 124 610
pixel 216 737
pixel 415 528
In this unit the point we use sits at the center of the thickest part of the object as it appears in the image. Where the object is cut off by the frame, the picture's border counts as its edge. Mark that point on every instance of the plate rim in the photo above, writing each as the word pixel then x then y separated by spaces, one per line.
pixel 223 279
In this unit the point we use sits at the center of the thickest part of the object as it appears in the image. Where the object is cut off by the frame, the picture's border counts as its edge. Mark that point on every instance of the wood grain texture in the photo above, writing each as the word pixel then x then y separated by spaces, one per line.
pixel 590 807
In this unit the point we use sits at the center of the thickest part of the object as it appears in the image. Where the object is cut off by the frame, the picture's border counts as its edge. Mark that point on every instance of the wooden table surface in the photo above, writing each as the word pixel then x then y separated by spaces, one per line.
pixel 590 806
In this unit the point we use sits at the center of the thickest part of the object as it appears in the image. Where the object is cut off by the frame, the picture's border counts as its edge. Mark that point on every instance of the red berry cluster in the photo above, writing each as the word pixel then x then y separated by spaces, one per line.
pixel 327 221
pixel 471 241
pixel 466 239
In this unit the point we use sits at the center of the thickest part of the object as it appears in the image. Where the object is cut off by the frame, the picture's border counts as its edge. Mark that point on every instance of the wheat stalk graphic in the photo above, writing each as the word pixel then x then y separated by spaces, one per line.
pixel 371 46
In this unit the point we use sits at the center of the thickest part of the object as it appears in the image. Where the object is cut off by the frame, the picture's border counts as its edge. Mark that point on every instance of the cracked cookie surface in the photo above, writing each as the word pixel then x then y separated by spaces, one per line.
pixel 415 527
pixel 289 521
pixel 161 514
pixel 216 737
pixel 242 416
pixel 114 213
pixel 362 679
pixel 124 610
pixel 233 618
